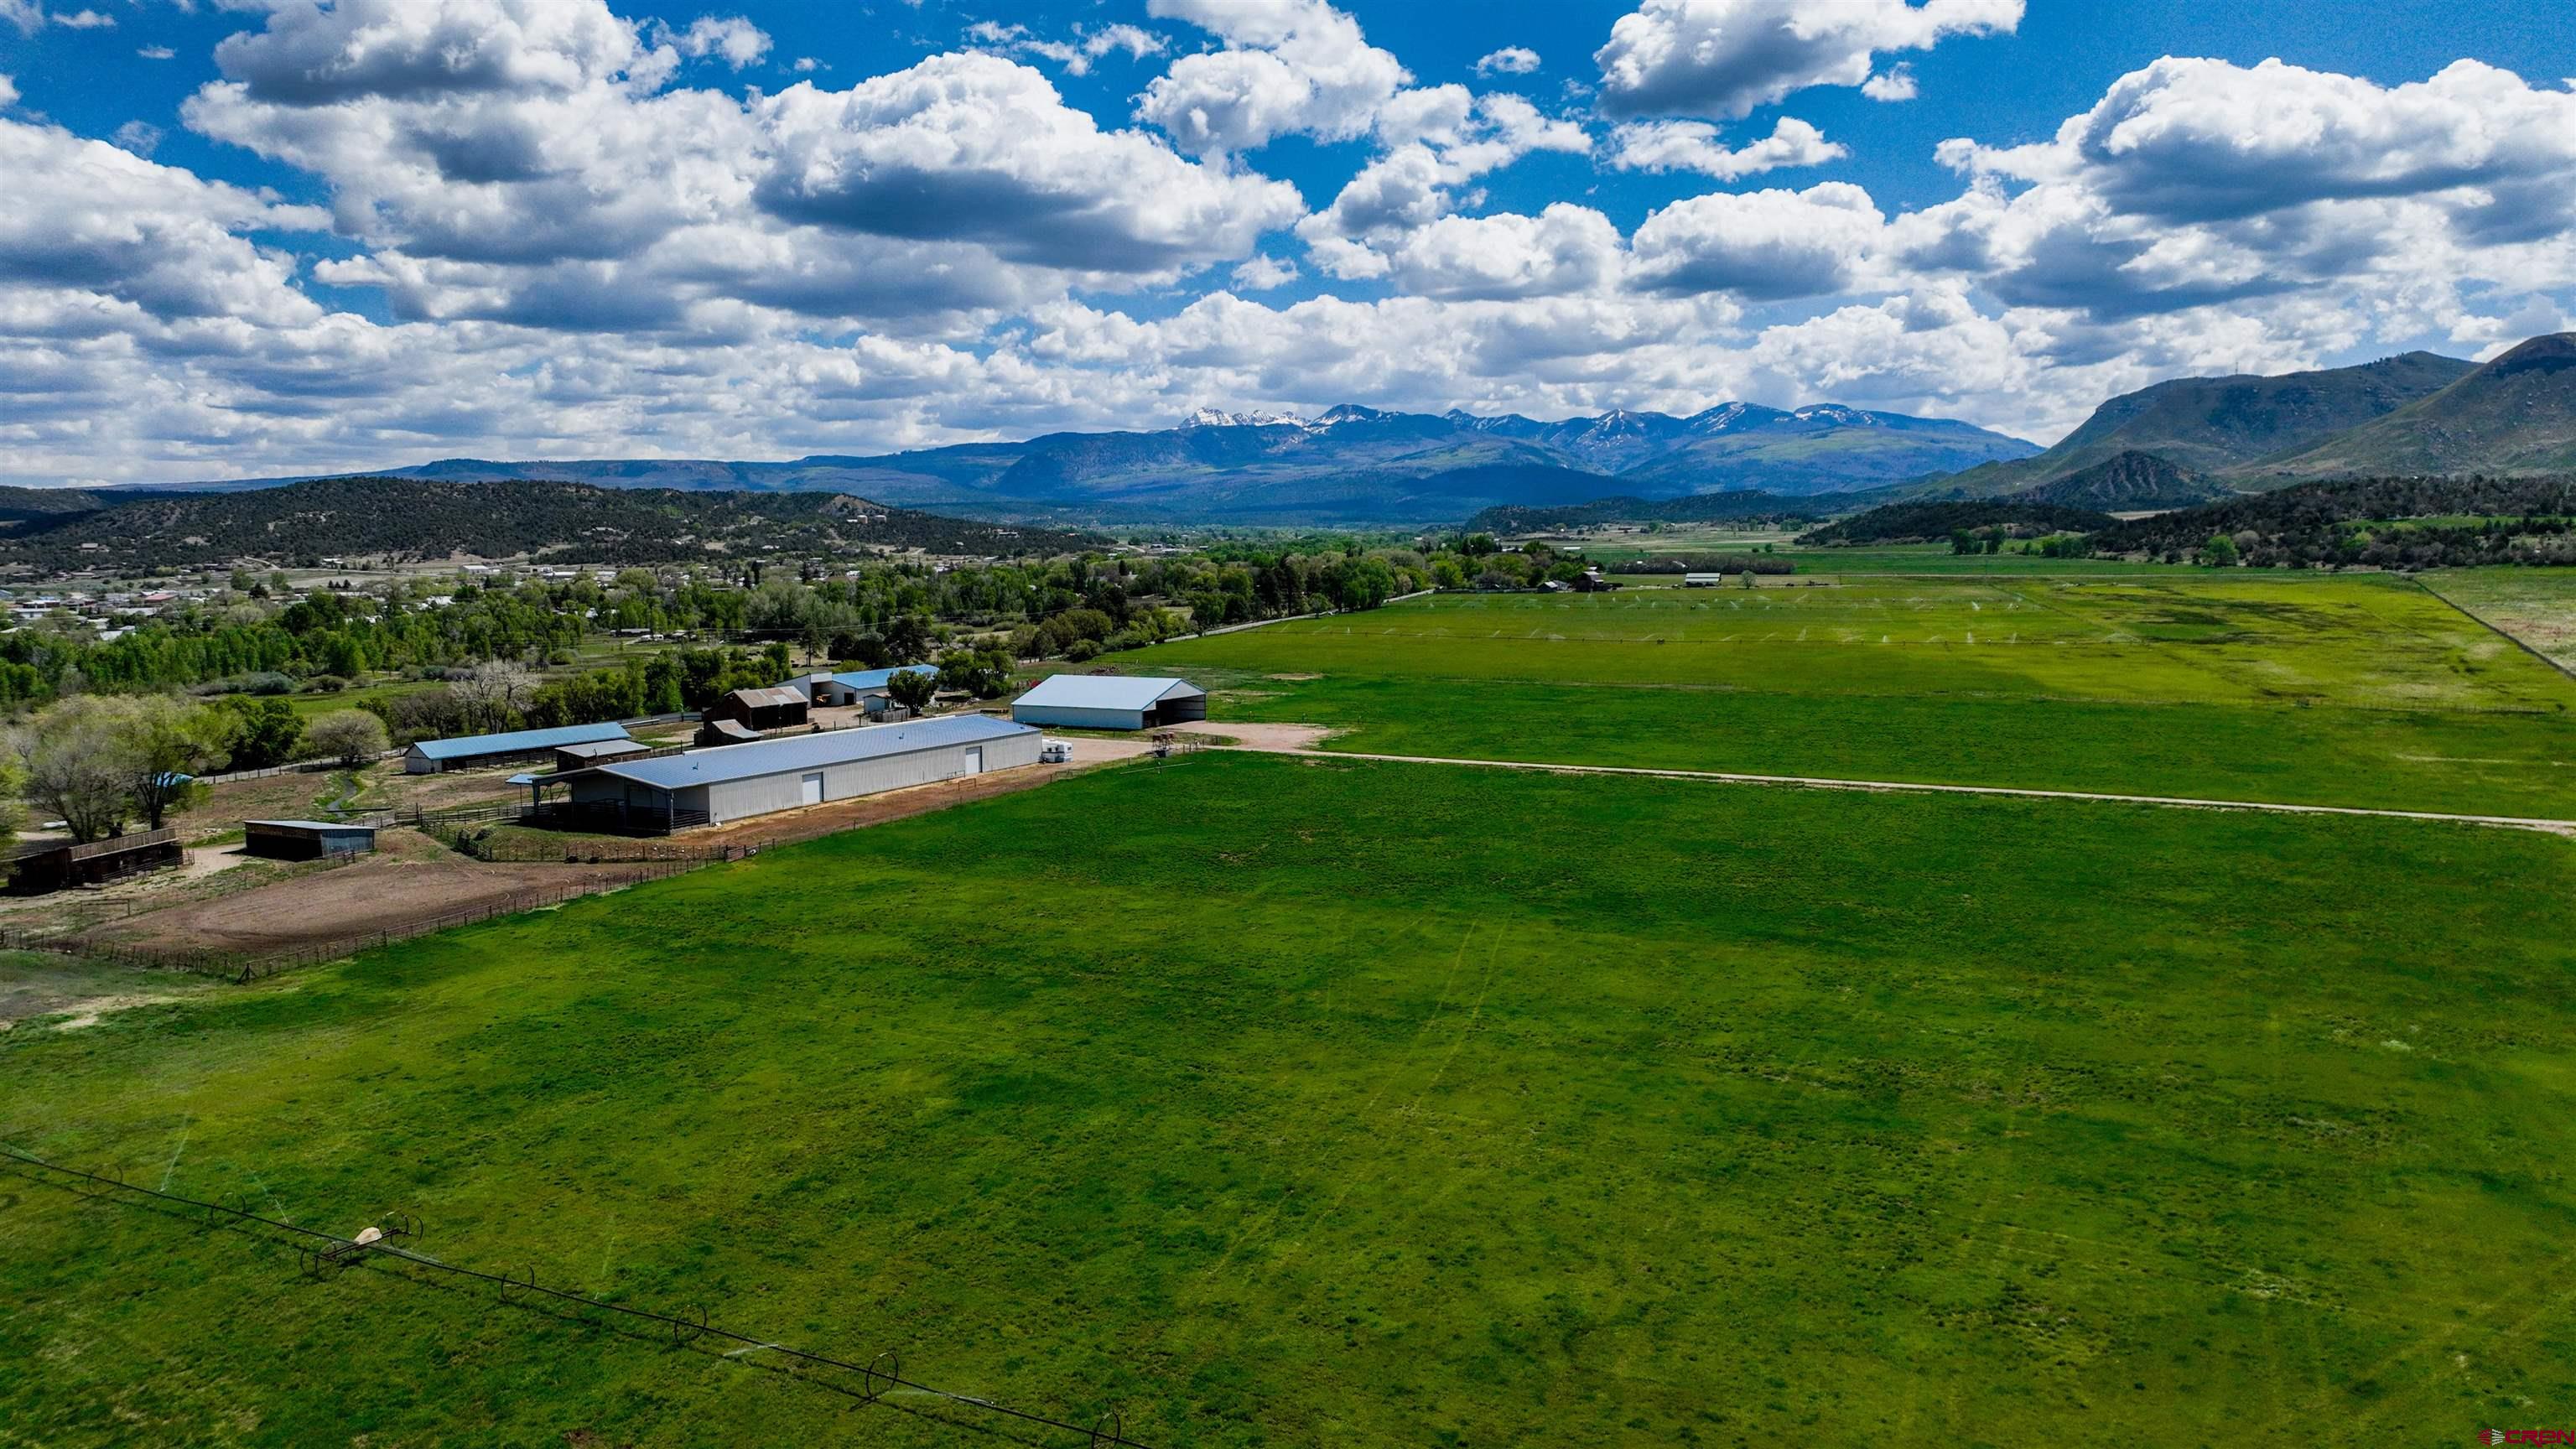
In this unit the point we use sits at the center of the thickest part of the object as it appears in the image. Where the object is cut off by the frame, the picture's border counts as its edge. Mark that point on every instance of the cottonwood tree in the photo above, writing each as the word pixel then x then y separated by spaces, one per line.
pixel 169 742
pixel 912 689
pixel 983 673
pixel 78 766
pixel 489 699
pixel 350 736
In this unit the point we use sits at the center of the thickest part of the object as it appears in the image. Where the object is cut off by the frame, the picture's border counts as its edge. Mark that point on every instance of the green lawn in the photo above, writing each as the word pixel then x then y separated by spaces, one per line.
pixel 1289 1102
pixel 2356 690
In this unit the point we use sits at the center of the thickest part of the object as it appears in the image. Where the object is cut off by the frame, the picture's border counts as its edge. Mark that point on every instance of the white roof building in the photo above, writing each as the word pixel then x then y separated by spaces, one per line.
pixel 1110 702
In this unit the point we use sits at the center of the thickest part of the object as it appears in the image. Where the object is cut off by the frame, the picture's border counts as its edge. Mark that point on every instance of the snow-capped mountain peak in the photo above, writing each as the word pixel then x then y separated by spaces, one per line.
pixel 1218 418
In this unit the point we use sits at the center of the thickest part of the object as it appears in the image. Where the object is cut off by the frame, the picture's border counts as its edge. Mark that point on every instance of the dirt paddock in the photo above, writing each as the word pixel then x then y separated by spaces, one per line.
pixel 379 894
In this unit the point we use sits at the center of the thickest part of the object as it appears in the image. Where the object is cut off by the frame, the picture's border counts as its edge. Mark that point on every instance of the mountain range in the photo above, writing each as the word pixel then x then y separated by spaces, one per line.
pixel 1348 464
pixel 2177 443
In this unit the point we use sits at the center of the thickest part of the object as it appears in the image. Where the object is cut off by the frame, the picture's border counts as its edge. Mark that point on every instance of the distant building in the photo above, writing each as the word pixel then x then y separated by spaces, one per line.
pixel 596 752
pixel 1110 702
pixel 1703 581
pixel 429 757
pixel 713 786
pixel 716 732
pixel 862 688
pixel 778 707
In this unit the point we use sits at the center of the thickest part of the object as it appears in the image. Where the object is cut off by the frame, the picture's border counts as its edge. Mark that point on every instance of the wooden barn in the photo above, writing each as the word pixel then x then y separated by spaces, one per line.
pixel 778 707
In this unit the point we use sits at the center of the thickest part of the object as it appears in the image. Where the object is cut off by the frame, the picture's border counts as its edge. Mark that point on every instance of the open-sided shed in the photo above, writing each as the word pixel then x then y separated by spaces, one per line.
pixel 305 839
pixel 428 757
pixel 51 865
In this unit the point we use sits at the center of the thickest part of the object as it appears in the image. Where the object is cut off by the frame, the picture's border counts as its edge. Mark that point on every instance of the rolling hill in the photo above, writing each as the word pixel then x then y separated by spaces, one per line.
pixel 2210 424
pixel 2516 415
pixel 1512 520
pixel 2127 481
pixel 405 519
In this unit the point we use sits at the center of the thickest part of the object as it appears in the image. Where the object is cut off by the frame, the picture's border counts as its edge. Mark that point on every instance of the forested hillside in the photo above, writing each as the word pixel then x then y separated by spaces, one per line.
pixel 2373 522
pixel 1745 507
pixel 402 519
pixel 1930 522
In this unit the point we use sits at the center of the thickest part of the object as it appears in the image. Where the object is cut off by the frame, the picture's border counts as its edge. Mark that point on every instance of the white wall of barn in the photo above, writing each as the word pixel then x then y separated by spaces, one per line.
pixel 763 794
pixel 1069 717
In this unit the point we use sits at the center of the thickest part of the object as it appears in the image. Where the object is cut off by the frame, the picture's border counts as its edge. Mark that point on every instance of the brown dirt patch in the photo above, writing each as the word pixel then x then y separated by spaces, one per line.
pixel 1266 737
pixel 397 892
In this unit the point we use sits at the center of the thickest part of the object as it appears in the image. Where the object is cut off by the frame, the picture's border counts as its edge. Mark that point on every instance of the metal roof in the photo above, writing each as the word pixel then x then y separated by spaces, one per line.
pixel 603 749
pixel 312 825
pixel 810 752
pixel 867 679
pixel 519 741
pixel 772 697
pixel 1106 691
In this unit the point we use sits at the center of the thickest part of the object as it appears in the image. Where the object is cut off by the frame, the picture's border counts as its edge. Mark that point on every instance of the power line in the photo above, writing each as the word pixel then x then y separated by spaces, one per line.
pixel 876 1377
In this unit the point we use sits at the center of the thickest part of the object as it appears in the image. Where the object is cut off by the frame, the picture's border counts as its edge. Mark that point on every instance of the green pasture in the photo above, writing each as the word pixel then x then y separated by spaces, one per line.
pixel 1867 560
pixel 1279 1102
pixel 2535 606
pixel 2362 690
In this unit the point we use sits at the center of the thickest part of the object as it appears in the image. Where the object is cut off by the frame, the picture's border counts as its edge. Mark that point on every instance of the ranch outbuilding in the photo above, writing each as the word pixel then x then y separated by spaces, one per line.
pixel 1110 702
pixel 305 839
pixel 736 782
pixel 428 757
pixel 779 707
pixel 854 687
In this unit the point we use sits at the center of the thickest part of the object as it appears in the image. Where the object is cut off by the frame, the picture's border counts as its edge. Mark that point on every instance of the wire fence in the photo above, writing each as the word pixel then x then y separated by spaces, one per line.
pixel 248 966
pixel 322 1254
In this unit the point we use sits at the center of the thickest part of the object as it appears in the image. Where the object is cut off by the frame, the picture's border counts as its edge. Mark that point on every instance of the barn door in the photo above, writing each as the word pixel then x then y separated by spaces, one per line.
pixel 810 788
pixel 975 760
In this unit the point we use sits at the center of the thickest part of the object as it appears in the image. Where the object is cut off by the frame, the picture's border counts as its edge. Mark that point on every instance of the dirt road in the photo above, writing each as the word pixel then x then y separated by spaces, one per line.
pixel 1820 782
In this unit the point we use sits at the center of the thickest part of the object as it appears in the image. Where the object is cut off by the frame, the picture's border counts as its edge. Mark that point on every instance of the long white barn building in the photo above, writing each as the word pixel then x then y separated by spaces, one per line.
pixel 1110 702
pixel 735 782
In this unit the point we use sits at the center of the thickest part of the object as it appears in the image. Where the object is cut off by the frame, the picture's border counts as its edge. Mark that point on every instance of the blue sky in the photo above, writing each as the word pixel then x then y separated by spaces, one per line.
pixel 272 237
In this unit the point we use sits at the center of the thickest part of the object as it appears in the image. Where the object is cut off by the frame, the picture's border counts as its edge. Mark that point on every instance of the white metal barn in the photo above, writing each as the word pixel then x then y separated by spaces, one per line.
pixel 736 782
pixel 1110 702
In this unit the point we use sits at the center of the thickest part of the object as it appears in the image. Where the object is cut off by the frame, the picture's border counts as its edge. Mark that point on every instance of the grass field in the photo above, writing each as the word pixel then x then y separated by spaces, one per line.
pixel 2355 690
pixel 1290 1102
pixel 2535 606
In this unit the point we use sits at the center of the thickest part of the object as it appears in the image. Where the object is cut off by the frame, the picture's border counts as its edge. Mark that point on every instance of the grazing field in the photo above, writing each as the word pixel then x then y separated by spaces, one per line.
pixel 2535 606
pixel 2353 691
pixel 1285 1101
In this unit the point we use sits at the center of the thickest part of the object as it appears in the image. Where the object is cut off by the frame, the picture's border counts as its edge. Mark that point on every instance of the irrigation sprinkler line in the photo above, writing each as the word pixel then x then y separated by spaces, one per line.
pixel 871 1375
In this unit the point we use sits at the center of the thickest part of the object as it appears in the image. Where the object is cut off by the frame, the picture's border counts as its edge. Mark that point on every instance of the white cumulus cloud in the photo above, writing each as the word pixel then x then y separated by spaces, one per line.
pixel 1694 146
pixel 1896 83
pixel 1723 58
pixel 1289 67
pixel 1510 60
